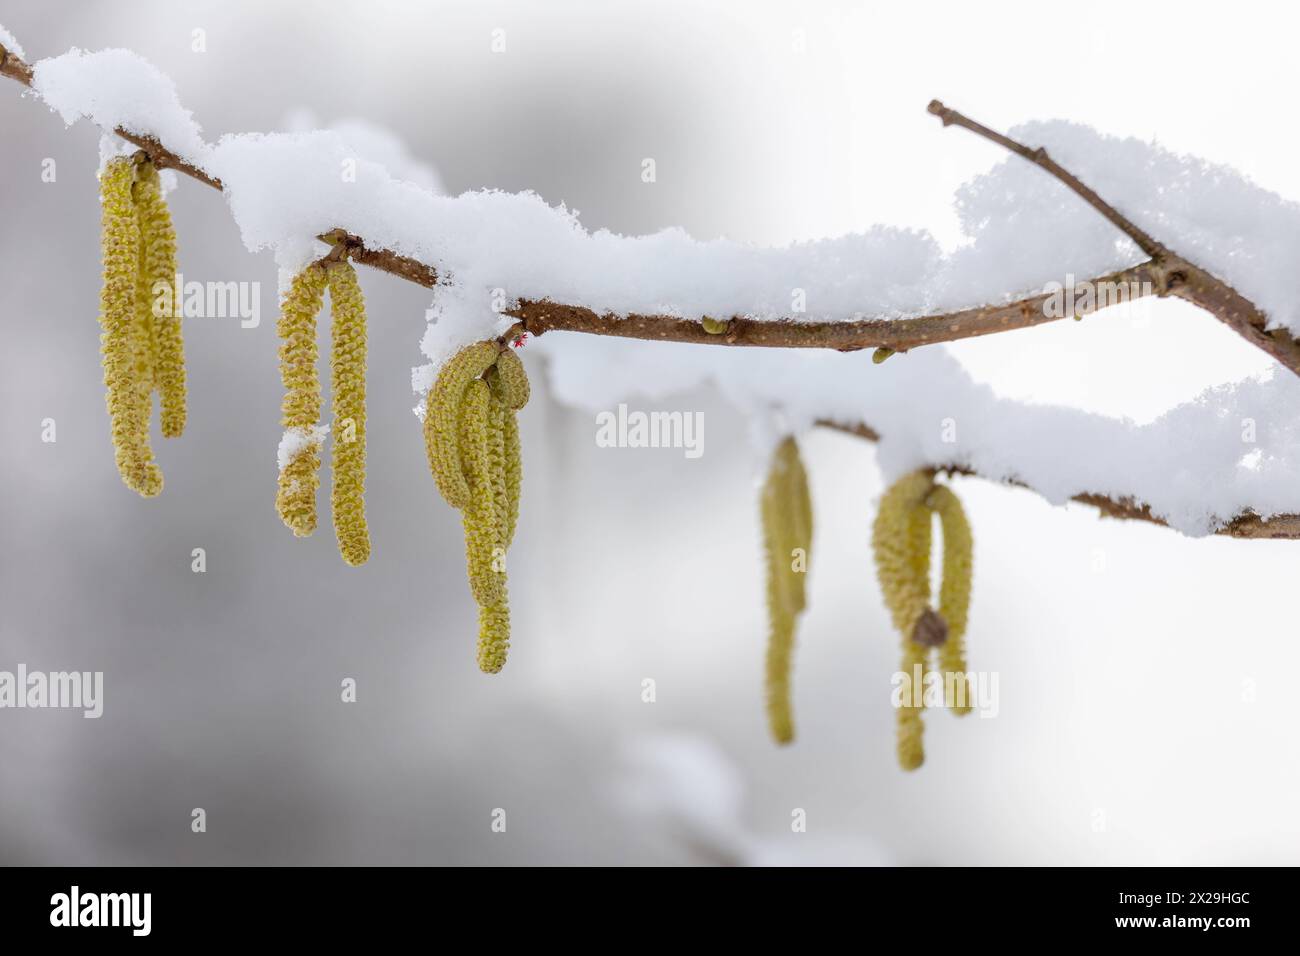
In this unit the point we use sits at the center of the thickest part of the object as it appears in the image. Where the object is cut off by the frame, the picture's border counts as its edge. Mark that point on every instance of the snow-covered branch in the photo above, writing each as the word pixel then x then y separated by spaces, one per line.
pixel 1176 275
pixel 1125 508
pixel 884 288
pixel 537 316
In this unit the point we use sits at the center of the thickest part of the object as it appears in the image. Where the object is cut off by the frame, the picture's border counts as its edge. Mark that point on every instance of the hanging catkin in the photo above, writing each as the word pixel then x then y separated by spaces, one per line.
pixel 158 275
pixel 126 352
pixel 787 525
pixel 954 593
pixel 481 517
pixel 348 397
pixel 901 540
pixel 472 440
pixel 144 343
pixel 300 459
pixel 441 418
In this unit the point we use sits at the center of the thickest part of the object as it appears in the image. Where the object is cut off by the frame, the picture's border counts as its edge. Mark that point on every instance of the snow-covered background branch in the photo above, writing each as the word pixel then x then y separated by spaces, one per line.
pixel 1083 619
pixel 504 257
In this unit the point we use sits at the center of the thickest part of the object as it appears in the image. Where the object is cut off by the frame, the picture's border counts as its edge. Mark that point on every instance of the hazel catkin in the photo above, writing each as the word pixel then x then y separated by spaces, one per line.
pixel 125 350
pixel 158 274
pixel 509 381
pixel 901 539
pixel 955 590
pixel 472 440
pixel 441 418
pixel 786 512
pixel 482 529
pixel 300 471
pixel 896 538
pixel 348 398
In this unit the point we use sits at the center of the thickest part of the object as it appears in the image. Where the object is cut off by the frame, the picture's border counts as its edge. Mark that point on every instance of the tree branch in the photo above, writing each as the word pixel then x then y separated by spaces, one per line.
pixel 898 335
pixel 1165 273
pixel 539 316
pixel 1246 525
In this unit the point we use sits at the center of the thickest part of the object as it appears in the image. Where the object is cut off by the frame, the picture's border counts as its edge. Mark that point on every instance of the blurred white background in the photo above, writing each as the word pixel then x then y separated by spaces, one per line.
pixel 1145 679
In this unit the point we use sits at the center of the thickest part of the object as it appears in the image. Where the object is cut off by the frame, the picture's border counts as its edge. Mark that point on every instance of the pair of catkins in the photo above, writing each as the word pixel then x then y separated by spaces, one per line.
pixel 304 436
pixel 143 351
pixel 901 540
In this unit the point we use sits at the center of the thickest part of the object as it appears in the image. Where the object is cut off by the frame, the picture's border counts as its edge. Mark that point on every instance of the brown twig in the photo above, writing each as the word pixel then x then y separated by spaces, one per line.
pixel 1039 157
pixel 13 66
pixel 1247 525
pixel 899 335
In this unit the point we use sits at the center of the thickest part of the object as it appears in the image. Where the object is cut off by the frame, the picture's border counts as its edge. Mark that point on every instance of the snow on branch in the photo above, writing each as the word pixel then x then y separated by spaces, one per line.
pixel 503 264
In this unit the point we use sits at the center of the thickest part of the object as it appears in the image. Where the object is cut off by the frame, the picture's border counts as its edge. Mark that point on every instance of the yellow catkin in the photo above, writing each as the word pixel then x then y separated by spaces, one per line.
pixel 158 273
pixel 348 395
pixel 482 530
pixel 127 395
pixel 299 479
pixel 509 380
pixel 498 415
pixel 472 439
pixel 144 342
pixel 920 529
pixel 786 510
pixel 901 541
pixel 442 415
pixel 895 537
pixel 955 591
pixel 514 474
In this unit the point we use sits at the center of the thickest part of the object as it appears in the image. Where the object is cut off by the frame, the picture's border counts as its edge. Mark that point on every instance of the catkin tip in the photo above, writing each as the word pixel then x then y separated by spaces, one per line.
pixel 295 500
pixel 493 637
pixel 911 746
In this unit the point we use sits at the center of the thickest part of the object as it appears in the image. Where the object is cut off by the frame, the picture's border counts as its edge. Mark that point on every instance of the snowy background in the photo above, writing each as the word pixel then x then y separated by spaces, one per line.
pixel 1144 677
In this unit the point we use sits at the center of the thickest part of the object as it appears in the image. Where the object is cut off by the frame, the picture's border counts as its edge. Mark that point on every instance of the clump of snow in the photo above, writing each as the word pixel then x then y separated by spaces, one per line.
pixel 9 43
pixel 285 188
pixel 1191 464
pixel 373 142
pixel 295 441
pixel 115 88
